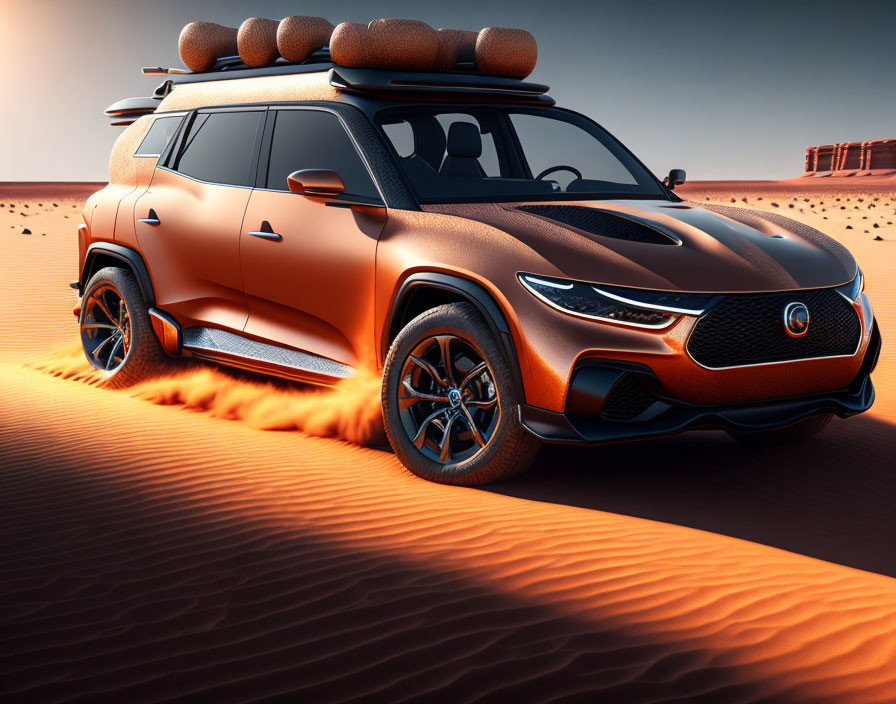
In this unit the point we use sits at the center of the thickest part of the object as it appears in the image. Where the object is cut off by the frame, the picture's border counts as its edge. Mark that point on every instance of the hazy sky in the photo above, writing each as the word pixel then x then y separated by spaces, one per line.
pixel 725 90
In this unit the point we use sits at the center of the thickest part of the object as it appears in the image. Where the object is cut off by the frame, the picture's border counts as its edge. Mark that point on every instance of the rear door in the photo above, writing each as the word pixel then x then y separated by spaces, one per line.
pixel 308 268
pixel 189 220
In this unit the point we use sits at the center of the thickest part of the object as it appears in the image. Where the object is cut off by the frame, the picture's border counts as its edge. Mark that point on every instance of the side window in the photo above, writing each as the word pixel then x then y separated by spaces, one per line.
pixel 402 137
pixel 160 133
pixel 220 147
pixel 313 139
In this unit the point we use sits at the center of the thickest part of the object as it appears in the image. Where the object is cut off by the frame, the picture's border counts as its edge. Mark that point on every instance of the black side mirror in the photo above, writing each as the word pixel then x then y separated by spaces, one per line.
pixel 675 178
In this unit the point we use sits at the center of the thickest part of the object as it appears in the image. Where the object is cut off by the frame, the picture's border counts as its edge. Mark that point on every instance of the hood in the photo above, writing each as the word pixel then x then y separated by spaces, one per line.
pixel 668 246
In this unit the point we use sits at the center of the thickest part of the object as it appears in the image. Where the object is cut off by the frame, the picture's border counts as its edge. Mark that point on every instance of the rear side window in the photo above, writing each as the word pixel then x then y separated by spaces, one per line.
pixel 159 135
pixel 313 139
pixel 221 147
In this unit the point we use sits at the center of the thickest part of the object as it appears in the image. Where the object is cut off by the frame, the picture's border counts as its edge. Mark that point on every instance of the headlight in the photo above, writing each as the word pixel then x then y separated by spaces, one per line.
pixel 614 304
pixel 854 287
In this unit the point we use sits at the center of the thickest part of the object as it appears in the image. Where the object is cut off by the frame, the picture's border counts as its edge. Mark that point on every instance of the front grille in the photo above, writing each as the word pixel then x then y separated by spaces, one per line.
pixel 749 329
pixel 599 222
pixel 626 400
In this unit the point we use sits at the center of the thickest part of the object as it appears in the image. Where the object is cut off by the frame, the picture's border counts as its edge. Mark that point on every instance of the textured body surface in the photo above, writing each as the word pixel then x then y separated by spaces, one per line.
pixel 306 86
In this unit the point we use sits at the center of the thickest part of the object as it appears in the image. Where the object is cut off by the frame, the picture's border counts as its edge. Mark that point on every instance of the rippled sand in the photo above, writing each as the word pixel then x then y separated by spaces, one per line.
pixel 161 544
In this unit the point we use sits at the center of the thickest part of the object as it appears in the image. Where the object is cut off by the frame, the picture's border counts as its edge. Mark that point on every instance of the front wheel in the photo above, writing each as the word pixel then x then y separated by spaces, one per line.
pixel 450 408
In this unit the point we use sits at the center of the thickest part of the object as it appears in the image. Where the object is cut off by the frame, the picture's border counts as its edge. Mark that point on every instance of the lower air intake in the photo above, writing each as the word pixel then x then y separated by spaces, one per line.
pixel 627 400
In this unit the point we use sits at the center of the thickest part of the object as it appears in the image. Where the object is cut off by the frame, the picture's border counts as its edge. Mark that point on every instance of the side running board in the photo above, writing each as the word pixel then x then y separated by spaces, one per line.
pixel 238 351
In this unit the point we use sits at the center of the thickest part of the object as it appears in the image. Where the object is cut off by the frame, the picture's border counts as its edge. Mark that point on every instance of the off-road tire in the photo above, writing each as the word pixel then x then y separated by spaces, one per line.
pixel 510 449
pixel 145 358
pixel 794 432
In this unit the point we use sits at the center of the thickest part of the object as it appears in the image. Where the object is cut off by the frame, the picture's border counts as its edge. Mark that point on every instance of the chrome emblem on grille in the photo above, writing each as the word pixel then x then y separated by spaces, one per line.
pixel 796 319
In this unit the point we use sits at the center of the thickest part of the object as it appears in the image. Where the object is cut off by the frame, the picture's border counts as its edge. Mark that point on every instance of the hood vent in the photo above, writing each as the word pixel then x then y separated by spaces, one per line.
pixel 603 223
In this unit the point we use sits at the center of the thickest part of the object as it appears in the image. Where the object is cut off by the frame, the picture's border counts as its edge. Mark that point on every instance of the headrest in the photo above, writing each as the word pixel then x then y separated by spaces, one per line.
pixel 464 140
pixel 429 139
pixel 299 36
pixel 506 52
pixel 454 45
pixel 257 41
pixel 200 43
pixel 402 45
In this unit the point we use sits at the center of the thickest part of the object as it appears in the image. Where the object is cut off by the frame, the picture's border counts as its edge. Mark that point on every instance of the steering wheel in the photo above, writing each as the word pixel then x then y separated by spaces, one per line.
pixel 561 167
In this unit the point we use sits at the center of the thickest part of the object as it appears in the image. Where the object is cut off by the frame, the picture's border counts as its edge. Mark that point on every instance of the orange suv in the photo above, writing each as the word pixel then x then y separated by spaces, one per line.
pixel 515 272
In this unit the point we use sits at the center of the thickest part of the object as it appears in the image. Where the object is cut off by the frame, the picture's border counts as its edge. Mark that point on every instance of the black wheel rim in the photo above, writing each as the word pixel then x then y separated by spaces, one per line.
pixel 447 399
pixel 105 328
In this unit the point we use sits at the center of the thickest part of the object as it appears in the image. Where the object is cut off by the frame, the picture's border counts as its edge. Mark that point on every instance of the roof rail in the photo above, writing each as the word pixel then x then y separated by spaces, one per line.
pixel 234 65
pixel 373 80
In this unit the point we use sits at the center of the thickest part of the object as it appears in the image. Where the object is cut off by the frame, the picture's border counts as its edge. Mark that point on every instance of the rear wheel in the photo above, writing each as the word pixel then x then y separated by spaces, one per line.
pixel 449 403
pixel 794 432
pixel 116 333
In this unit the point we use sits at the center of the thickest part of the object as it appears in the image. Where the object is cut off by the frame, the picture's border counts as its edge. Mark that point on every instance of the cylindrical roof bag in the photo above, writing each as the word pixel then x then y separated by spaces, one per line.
pixel 402 45
pixel 257 41
pixel 511 53
pixel 454 45
pixel 299 36
pixel 200 43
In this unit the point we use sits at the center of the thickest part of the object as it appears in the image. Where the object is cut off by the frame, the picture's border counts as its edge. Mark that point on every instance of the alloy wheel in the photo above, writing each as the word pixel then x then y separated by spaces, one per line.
pixel 447 398
pixel 105 328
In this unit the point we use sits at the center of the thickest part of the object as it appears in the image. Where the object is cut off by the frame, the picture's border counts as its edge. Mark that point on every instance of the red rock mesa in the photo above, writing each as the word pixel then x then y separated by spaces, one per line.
pixel 876 157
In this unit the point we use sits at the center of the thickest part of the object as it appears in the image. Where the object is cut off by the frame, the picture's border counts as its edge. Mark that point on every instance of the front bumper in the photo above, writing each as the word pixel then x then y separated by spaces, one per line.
pixel 650 412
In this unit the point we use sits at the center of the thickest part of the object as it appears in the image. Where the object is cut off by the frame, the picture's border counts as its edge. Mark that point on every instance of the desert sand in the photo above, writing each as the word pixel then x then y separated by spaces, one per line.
pixel 165 543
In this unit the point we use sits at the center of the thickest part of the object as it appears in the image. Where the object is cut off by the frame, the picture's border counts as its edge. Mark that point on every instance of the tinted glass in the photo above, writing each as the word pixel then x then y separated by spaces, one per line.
pixel 313 139
pixel 548 143
pixel 220 147
pixel 402 137
pixel 160 133
pixel 517 146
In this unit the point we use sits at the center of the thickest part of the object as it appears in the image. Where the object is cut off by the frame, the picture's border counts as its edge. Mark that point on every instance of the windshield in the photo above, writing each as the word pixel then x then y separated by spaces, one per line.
pixel 511 154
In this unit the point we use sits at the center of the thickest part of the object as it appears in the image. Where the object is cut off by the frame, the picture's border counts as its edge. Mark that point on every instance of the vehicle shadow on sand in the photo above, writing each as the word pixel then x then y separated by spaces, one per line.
pixel 832 497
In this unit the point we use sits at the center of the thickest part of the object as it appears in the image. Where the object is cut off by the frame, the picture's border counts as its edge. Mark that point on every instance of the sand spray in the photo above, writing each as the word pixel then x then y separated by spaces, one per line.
pixel 349 411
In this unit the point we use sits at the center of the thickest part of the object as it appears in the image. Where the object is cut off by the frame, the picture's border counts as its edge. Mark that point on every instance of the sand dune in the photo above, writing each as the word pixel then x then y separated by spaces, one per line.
pixel 151 553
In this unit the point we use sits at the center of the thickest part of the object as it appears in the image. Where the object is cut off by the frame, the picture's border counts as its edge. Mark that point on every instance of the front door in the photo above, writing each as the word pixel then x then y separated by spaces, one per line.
pixel 188 221
pixel 308 269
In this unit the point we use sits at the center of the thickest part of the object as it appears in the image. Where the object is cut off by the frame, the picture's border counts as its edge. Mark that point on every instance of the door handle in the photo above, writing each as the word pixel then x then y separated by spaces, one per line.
pixel 266 232
pixel 151 218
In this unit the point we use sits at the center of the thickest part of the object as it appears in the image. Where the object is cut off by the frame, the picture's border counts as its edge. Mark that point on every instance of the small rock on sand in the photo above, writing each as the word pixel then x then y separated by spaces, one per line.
pixel 26 231
pixel 878 239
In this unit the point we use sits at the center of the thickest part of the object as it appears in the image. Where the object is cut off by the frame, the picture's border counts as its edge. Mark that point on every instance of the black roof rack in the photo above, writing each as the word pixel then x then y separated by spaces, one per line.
pixel 462 80
pixel 374 80
pixel 227 67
